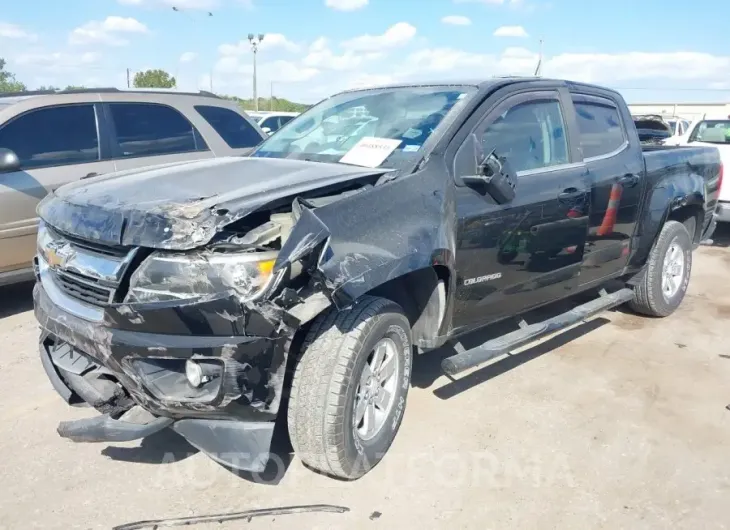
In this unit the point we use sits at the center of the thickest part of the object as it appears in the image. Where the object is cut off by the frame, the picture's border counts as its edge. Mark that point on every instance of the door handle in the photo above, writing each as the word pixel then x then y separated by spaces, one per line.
pixel 570 194
pixel 628 180
pixel 89 175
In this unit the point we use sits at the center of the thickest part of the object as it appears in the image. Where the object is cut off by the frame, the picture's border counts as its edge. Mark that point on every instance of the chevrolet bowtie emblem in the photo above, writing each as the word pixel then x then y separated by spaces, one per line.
pixel 57 256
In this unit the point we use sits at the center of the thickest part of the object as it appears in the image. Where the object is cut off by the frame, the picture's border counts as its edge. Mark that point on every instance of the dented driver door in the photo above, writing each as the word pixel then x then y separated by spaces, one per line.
pixel 518 255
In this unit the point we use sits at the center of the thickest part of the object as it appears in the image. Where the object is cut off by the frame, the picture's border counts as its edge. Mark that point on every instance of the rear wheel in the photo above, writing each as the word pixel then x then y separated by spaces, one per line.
pixel 350 387
pixel 665 278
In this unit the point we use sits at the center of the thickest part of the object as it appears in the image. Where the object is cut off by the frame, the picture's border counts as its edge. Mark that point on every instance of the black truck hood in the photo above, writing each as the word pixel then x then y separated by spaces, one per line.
pixel 183 205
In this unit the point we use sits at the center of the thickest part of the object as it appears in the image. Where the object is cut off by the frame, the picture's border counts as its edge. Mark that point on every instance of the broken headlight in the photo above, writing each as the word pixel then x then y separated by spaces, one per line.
pixel 166 276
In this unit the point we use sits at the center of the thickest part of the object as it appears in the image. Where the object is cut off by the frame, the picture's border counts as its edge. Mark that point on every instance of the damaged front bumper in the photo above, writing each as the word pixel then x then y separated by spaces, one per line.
pixel 128 362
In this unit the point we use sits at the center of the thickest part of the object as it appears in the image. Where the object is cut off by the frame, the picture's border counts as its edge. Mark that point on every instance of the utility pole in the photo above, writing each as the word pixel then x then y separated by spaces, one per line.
pixel 127 77
pixel 255 40
pixel 538 70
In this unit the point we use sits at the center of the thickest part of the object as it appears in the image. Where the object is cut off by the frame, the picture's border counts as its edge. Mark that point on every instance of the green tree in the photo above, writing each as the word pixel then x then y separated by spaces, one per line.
pixel 49 87
pixel 153 79
pixel 278 104
pixel 8 83
pixel 74 87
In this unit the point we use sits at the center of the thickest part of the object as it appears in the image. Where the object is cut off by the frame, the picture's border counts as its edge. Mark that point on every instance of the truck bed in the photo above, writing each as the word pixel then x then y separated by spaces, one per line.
pixel 703 161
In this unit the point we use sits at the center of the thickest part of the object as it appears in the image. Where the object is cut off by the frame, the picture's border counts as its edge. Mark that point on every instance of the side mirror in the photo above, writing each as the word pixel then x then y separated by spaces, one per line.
pixel 267 130
pixel 9 161
pixel 496 177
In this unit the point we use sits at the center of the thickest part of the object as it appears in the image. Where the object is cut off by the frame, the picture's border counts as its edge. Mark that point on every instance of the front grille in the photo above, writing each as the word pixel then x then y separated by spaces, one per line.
pixel 84 288
pixel 84 270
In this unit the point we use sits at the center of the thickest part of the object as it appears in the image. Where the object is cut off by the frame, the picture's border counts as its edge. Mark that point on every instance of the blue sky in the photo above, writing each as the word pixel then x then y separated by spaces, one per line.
pixel 671 50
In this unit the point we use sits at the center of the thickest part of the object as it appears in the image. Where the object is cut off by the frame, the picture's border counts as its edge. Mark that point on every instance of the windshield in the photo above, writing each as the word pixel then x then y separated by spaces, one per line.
pixel 373 128
pixel 712 131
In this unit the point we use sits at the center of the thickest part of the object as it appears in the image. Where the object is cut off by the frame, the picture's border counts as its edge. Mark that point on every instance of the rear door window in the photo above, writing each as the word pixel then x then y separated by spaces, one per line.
pixel 148 129
pixel 231 126
pixel 599 124
pixel 53 136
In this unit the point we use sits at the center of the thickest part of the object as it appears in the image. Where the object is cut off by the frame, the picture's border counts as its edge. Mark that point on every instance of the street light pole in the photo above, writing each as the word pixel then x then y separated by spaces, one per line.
pixel 255 40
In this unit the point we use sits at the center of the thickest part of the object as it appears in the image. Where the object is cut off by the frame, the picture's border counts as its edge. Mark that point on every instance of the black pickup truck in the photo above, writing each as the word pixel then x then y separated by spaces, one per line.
pixel 214 297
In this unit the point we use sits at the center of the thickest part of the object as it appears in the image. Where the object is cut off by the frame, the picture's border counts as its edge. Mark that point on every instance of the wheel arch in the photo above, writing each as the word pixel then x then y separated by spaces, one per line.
pixel 678 198
pixel 687 213
pixel 425 297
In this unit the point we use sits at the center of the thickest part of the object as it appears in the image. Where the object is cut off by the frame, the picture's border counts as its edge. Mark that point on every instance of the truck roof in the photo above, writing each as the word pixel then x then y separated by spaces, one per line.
pixel 484 83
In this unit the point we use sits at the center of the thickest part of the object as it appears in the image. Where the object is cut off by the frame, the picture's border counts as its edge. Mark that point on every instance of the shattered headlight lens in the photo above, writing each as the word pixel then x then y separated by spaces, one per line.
pixel 178 276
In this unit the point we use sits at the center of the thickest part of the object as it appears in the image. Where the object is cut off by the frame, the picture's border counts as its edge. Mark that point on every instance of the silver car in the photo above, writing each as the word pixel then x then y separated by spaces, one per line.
pixel 49 139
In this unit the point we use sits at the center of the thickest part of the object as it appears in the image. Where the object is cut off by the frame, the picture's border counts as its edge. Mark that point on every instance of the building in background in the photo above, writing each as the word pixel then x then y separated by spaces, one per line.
pixel 688 111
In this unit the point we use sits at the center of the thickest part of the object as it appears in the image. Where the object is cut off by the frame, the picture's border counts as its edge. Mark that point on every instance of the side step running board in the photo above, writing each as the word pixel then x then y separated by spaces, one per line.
pixel 506 343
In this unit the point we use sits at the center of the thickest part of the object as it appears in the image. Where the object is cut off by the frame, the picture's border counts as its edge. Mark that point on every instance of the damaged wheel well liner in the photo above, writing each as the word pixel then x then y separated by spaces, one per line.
pixel 423 295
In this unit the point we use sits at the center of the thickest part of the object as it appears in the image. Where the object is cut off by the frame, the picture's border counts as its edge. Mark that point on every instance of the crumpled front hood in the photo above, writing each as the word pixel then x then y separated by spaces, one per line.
pixel 183 205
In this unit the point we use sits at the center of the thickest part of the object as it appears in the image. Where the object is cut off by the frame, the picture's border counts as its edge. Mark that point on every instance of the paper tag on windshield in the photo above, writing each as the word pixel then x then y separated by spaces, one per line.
pixel 370 151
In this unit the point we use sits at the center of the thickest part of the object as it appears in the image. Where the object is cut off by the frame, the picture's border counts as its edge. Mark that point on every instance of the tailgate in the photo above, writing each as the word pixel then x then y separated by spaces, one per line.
pixel 725 159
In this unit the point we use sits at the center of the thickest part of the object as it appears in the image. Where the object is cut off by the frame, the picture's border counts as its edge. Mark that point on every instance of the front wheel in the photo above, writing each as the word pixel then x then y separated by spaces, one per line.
pixel 665 278
pixel 350 386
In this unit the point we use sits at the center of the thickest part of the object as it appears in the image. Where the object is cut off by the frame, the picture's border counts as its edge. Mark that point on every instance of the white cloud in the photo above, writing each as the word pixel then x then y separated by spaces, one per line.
pixel 633 66
pixel 448 59
pixel 13 31
pixel 321 56
pixel 346 5
pixel 239 48
pixel 318 45
pixel 188 57
pixel 644 68
pixel 277 40
pixel 107 31
pixel 57 61
pixel 456 20
pixel 123 24
pixel 271 41
pixel 236 70
pixel 396 35
pixel 370 80
pixel 510 31
pixel 288 72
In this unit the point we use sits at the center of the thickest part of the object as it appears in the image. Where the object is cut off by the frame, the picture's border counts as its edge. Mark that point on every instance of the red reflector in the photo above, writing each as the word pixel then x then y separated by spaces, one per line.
pixel 573 213
pixel 719 177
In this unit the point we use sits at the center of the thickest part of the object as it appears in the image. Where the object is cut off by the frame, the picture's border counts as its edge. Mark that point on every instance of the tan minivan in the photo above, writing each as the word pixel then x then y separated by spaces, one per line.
pixel 50 138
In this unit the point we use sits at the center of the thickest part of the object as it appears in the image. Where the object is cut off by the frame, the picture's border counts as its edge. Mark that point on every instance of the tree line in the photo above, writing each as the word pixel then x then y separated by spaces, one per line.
pixel 155 78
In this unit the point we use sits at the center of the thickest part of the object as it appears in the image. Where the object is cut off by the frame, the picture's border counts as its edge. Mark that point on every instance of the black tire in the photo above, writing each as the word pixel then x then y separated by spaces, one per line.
pixel 327 376
pixel 649 298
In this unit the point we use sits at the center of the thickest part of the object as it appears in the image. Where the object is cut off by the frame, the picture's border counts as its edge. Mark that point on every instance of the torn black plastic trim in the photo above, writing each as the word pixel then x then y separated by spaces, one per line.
pixel 106 429
pixel 243 335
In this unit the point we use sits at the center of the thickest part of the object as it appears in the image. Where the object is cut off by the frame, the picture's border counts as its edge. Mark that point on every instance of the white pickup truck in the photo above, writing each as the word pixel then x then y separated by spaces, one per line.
pixel 713 132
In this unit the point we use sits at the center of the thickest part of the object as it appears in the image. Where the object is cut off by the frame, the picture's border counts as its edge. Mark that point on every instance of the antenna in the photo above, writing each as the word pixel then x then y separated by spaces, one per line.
pixel 539 62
